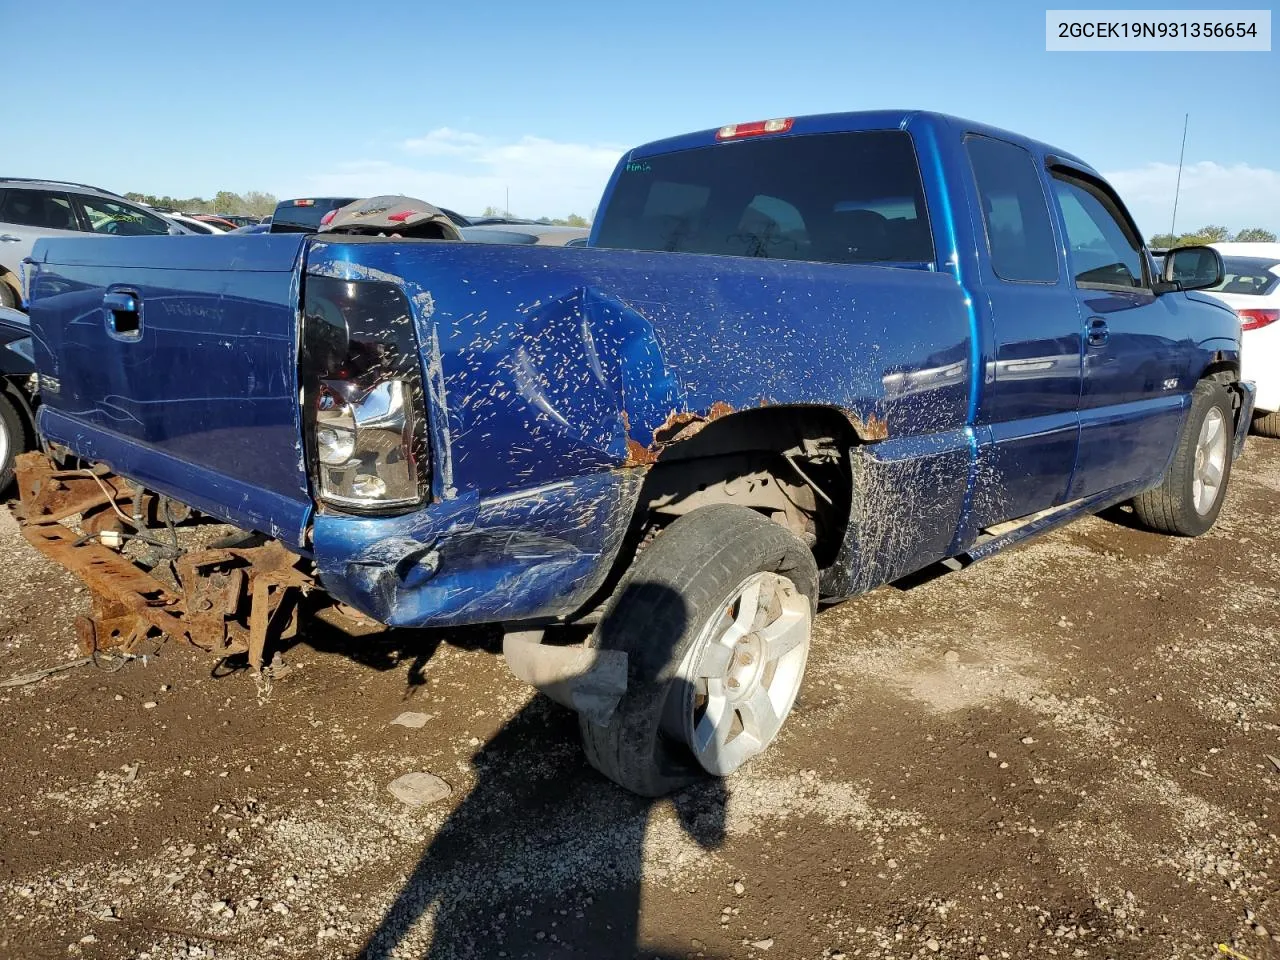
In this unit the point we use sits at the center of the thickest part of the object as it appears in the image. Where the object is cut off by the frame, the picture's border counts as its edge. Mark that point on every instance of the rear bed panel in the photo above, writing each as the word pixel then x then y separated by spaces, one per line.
pixel 202 405
pixel 549 362
pixel 553 375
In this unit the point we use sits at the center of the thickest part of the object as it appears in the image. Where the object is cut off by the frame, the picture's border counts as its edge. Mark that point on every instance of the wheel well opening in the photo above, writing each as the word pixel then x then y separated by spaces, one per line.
pixel 22 403
pixel 789 463
pixel 1222 371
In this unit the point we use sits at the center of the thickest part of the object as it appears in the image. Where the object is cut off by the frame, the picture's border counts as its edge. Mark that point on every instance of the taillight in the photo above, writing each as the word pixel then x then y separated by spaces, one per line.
pixel 364 410
pixel 756 128
pixel 1253 319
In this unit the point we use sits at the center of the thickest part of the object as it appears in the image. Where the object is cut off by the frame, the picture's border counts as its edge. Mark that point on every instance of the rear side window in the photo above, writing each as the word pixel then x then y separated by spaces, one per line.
pixel 833 198
pixel 1014 211
pixel 1104 251
pixel 38 208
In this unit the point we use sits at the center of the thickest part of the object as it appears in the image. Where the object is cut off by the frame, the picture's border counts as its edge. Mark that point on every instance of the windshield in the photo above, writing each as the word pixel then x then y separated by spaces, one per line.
pixel 1252 276
pixel 304 216
pixel 833 198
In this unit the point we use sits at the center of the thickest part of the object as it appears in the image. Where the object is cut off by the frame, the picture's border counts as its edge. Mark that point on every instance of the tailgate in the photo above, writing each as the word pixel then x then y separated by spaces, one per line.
pixel 173 360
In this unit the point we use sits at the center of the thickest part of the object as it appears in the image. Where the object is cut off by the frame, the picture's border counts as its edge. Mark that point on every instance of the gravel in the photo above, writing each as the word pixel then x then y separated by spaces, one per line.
pixel 1137 671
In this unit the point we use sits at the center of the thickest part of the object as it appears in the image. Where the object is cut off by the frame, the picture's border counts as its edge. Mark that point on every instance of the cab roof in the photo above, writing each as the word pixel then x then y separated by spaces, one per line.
pixel 913 121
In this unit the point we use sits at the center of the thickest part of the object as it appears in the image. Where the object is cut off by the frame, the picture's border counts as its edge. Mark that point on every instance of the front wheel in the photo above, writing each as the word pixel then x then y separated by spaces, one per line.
pixel 1191 493
pixel 715 617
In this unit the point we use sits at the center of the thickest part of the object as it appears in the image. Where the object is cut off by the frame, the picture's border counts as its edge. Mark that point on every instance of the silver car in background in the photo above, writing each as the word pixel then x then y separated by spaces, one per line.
pixel 31 209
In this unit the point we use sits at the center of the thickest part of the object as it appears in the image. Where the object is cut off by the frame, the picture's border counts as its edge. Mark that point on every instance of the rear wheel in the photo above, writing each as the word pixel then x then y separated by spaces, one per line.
pixel 1190 495
pixel 715 617
pixel 8 296
pixel 1267 424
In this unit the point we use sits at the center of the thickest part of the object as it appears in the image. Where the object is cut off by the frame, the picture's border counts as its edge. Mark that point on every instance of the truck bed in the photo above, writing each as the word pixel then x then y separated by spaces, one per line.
pixel 545 368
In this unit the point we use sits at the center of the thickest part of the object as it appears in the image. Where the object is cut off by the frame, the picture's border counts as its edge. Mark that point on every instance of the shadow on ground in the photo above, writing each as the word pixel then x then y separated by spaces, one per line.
pixel 544 857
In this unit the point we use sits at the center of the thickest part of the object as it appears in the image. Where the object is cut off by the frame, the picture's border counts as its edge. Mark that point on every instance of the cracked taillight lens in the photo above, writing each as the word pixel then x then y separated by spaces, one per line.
pixel 362 396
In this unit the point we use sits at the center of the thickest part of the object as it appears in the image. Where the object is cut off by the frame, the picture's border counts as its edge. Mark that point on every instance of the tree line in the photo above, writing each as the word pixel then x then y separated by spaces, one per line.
pixel 255 203
pixel 1212 234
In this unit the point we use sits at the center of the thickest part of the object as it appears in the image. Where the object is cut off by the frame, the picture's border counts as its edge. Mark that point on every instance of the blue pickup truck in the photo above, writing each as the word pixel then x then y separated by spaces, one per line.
pixel 798 359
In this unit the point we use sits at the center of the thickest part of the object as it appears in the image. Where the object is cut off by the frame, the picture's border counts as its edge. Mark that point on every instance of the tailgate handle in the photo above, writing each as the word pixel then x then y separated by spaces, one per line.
pixel 123 314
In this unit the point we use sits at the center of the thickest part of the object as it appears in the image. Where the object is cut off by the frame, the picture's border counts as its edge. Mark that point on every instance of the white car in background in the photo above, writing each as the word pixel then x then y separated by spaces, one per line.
pixel 194 225
pixel 1252 289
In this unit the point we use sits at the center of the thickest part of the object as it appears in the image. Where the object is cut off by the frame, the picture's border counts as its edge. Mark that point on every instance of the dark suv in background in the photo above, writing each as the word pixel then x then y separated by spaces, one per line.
pixel 304 215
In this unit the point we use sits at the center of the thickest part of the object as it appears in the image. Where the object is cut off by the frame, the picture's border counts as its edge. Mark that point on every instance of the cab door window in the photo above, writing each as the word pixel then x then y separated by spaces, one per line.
pixel 1103 248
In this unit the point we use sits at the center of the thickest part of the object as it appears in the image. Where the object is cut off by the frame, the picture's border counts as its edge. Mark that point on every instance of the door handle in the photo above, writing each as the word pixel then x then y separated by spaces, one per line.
pixel 1098 332
pixel 122 313
pixel 9 238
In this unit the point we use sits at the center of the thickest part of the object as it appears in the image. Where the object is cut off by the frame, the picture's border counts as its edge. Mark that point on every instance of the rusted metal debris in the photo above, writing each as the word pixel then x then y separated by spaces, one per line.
pixel 226 600
pixel 48 494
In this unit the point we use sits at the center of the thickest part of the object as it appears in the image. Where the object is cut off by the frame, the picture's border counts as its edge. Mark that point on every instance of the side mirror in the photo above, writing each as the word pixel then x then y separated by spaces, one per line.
pixel 1193 268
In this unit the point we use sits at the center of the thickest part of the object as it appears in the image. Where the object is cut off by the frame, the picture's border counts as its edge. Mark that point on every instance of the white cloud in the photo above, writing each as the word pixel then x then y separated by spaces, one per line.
pixel 1235 196
pixel 467 172
pixel 445 141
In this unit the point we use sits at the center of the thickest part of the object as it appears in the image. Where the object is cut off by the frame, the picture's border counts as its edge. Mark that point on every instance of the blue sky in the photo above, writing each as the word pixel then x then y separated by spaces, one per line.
pixel 460 102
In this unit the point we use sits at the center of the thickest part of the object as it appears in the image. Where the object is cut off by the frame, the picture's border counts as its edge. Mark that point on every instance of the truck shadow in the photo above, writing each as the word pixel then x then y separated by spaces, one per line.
pixel 387 649
pixel 544 857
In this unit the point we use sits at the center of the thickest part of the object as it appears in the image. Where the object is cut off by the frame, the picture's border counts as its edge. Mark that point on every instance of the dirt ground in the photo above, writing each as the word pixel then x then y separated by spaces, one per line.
pixel 1065 751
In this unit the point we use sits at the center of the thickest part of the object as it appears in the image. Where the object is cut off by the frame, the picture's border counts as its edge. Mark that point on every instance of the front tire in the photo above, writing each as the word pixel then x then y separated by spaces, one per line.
pixel 715 617
pixel 1191 493
pixel 8 296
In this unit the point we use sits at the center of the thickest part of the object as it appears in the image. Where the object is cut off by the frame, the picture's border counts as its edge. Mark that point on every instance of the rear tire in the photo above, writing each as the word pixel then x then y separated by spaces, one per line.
pixel 8 296
pixel 1267 425
pixel 15 438
pixel 1190 496
pixel 722 592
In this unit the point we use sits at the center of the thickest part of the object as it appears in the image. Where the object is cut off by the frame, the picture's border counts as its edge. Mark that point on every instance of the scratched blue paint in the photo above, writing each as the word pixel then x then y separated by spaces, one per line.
pixel 552 373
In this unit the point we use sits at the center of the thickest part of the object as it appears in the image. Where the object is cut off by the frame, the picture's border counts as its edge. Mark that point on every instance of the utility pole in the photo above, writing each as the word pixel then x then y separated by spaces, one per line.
pixel 1178 188
pixel 507 209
